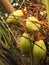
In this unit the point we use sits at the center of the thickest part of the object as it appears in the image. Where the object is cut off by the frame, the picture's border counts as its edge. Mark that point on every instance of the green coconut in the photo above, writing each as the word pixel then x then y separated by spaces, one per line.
pixel 32 18
pixel 31 25
pixel 14 17
pixel 25 44
pixel 39 53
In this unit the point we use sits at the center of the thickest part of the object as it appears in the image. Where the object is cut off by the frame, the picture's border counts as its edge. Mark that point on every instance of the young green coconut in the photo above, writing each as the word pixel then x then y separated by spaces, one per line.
pixel 31 24
pixel 25 44
pixel 14 16
pixel 39 53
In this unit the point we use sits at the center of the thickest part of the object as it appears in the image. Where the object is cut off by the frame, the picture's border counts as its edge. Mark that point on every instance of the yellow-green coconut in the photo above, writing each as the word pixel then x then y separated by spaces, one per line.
pixel 14 16
pixel 31 24
pixel 39 53
pixel 25 44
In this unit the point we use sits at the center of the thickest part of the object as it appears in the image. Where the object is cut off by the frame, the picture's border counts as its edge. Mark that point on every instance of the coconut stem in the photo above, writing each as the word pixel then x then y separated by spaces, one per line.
pixel 7 5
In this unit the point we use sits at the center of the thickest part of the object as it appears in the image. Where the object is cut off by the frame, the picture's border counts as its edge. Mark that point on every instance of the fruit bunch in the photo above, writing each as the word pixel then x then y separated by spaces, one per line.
pixel 27 42
pixel 25 35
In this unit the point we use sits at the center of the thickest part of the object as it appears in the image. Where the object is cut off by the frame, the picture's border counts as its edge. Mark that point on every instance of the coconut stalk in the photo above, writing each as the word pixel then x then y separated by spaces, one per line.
pixel 7 5
pixel 17 56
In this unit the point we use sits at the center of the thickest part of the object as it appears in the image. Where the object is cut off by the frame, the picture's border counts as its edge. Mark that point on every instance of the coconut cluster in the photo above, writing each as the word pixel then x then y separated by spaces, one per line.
pixel 26 46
